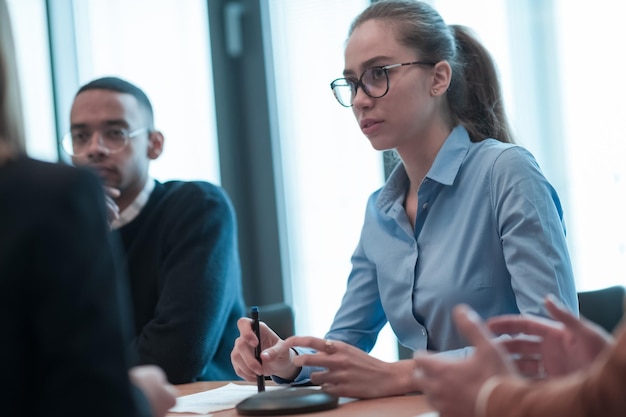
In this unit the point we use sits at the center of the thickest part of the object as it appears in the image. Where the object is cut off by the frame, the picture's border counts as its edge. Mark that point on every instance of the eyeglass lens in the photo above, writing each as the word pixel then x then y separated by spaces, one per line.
pixel 78 142
pixel 374 82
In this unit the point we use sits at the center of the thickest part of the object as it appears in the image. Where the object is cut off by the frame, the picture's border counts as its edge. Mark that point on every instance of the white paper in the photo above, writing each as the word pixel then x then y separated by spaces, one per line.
pixel 217 399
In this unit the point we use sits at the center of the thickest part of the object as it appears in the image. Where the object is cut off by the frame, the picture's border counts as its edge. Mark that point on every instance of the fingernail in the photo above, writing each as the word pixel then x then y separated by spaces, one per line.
pixel 555 301
pixel 471 314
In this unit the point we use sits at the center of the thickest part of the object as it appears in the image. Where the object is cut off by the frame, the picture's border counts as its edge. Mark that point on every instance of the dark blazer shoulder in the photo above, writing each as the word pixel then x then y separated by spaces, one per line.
pixel 37 192
pixel 46 177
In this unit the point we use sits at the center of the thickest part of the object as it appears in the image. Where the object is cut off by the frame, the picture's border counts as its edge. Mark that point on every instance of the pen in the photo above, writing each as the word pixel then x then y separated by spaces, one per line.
pixel 260 379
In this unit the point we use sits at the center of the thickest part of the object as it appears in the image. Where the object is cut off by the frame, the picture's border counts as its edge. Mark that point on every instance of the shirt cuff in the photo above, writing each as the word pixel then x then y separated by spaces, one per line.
pixel 301 377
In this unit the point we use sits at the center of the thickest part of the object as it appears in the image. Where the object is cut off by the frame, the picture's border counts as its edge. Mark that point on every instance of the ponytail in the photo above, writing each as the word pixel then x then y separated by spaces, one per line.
pixel 475 96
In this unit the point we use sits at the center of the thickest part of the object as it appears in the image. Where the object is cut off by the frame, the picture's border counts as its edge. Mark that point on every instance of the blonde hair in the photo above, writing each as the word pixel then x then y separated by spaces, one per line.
pixel 12 141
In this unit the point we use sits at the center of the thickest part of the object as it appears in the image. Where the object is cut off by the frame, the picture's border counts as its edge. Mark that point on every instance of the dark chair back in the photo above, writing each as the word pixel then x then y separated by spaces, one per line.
pixel 604 307
pixel 279 317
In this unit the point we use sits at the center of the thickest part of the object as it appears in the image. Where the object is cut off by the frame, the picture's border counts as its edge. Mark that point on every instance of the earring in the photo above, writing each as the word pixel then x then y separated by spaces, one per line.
pixel 435 91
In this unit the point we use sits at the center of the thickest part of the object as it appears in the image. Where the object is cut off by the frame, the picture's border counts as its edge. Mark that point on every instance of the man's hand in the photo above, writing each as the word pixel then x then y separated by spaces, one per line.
pixel 452 384
pixel 152 381
pixel 113 211
pixel 564 344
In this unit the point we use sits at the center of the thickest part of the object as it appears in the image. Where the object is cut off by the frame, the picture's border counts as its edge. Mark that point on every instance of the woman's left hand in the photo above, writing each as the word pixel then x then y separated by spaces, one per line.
pixel 350 372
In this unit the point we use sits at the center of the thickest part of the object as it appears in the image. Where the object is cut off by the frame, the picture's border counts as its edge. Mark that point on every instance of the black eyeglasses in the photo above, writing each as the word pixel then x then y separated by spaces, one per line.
pixel 374 81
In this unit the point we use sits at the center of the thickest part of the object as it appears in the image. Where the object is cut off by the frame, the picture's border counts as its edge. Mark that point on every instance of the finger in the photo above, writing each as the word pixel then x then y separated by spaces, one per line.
pixel 278 351
pixel 242 355
pixel 580 326
pixel 428 365
pixel 471 326
pixel 420 375
pixel 559 312
pixel 515 324
pixel 530 366
pixel 242 358
pixel 330 388
pixel 252 367
pixel 320 345
pixel 244 325
pixel 429 374
pixel 113 211
pixel 527 346
pixel 268 337
pixel 321 378
pixel 112 207
pixel 316 359
pixel 245 373
pixel 173 391
pixel 111 192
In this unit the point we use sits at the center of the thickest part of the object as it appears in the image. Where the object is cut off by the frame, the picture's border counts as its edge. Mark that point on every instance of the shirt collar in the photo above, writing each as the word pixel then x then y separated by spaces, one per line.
pixel 444 169
pixel 133 210
pixel 450 157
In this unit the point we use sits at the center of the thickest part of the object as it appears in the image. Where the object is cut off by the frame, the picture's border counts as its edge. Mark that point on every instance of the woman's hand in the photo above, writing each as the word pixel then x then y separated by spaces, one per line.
pixel 277 358
pixel 350 372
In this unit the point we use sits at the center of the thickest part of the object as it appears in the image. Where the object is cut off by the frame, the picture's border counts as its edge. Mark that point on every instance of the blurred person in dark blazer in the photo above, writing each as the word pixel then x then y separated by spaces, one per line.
pixel 62 292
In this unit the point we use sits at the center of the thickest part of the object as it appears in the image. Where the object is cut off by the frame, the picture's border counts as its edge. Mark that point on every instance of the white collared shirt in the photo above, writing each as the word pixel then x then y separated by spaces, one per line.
pixel 135 207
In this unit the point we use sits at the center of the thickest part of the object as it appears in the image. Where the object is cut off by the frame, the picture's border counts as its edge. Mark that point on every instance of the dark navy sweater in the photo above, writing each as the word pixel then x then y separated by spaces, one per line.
pixel 185 281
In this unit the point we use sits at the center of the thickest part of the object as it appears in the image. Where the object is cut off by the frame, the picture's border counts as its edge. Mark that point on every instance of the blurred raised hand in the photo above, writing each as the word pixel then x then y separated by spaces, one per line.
pixel 563 345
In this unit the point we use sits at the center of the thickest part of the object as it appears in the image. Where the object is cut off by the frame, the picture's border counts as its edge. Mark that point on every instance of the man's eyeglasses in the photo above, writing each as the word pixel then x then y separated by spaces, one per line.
pixel 113 139
pixel 374 81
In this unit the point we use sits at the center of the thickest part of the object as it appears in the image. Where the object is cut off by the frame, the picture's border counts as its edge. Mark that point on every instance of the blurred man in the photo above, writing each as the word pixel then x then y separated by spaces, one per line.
pixel 180 238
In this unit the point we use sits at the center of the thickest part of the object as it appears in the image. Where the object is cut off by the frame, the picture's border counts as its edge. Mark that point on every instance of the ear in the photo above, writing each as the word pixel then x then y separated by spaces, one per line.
pixel 155 144
pixel 441 78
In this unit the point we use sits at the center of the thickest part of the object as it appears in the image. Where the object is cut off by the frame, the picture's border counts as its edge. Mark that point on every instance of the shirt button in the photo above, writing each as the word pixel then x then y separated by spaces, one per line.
pixel 425 206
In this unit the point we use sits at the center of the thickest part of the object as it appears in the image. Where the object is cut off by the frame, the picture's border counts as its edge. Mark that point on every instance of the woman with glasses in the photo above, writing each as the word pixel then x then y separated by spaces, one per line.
pixel 466 215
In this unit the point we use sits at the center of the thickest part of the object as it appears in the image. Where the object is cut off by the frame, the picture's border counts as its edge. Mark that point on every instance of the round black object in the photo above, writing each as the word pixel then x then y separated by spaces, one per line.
pixel 287 401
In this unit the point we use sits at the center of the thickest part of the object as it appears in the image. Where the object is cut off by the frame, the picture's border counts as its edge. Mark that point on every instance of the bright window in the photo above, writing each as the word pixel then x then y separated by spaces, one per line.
pixel 585 160
pixel 590 44
pixel 28 18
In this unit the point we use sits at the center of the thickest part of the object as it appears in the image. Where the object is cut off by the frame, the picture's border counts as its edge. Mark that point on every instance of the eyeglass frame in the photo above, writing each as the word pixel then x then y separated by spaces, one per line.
pixel 355 85
pixel 127 136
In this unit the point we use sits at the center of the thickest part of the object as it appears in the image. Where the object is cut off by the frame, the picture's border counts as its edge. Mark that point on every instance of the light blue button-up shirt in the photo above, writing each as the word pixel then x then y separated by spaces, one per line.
pixel 489 232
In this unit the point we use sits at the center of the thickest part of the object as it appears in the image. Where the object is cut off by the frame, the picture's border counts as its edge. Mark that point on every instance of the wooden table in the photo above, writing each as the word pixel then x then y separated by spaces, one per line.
pixel 400 406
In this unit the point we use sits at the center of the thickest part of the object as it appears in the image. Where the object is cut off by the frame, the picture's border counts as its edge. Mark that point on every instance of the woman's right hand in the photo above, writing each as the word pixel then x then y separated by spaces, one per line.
pixel 277 358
